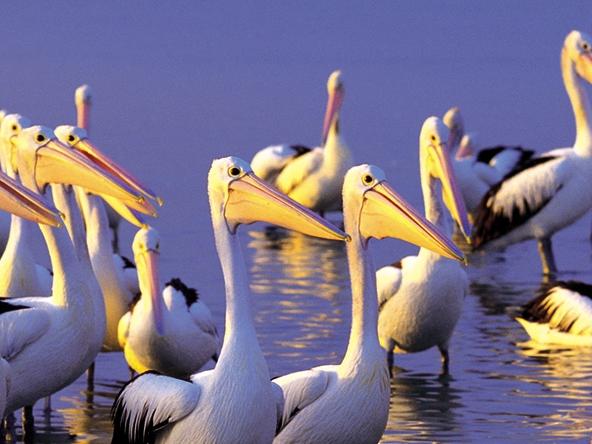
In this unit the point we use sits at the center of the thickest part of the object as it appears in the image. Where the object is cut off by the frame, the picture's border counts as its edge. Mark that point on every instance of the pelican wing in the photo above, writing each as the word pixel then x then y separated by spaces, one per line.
pixel 123 328
pixel 300 390
pixel 269 162
pixel 45 278
pixel 517 198
pixel 297 171
pixel 566 306
pixel 127 273
pixel 148 403
pixel 389 278
pixel 20 325
pixel 510 158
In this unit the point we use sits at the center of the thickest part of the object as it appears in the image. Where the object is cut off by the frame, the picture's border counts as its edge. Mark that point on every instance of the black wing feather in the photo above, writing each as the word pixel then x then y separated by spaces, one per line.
pixel 191 294
pixel 490 225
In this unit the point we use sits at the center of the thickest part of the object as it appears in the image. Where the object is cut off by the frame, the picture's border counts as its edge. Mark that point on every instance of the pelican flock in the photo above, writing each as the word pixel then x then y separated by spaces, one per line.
pixel 195 384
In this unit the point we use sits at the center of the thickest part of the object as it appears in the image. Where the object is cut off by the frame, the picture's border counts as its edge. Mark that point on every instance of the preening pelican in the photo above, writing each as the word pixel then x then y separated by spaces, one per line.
pixel 349 402
pixel 476 172
pixel 561 314
pixel 314 177
pixel 235 402
pixel 552 191
pixel 421 297
pixel 171 332
pixel 47 341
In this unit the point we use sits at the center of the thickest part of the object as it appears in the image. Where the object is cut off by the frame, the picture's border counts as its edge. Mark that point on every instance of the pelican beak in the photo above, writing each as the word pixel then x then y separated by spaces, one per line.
pixel 386 214
pixel 57 163
pixel 334 103
pixel 450 190
pixel 132 216
pixel 20 201
pixel 252 200
pixel 153 282
pixel 86 148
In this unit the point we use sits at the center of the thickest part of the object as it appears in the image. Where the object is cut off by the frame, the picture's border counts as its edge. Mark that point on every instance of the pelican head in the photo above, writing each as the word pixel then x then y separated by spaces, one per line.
pixel 336 92
pixel 146 248
pixel 41 159
pixel 82 98
pixel 11 126
pixel 377 211
pixel 434 153
pixel 454 121
pixel 578 47
pixel 77 139
pixel 239 197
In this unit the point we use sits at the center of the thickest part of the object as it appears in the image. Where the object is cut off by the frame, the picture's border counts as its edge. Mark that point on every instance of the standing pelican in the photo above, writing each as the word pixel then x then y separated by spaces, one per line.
pixel 554 190
pixel 235 402
pixel 561 314
pixel 314 177
pixel 349 402
pixel 171 332
pixel 421 297
pixel 49 340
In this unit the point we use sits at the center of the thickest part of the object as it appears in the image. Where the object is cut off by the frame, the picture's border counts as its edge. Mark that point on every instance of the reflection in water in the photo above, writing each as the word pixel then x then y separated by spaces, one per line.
pixel 302 285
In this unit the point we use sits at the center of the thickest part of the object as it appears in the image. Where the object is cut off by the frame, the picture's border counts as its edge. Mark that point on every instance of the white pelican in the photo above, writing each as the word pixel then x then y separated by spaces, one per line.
pixel 476 172
pixel 422 296
pixel 552 191
pixel 313 178
pixel 561 314
pixel 48 341
pixel 349 402
pixel 235 402
pixel 171 332
pixel 20 275
pixel 111 270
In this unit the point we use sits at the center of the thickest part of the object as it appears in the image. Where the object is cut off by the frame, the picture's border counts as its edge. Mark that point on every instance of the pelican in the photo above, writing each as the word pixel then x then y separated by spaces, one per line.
pixel 421 297
pixel 20 275
pixel 111 270
pixel 48 341
pixel 349 402
pixel 312 178
pixel 552 191
pixel 477 172
pixel 171 332
pixel 561 314
pixel 235 402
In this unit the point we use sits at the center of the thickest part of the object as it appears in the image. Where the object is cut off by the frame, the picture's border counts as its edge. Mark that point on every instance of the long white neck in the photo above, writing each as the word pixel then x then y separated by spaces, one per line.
pixel 335 152
pixel 240 339
pixel 575 87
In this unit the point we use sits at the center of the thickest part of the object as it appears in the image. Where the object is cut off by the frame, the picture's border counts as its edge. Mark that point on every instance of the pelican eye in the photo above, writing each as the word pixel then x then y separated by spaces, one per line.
pixel 14 127
pixel 585 46
pixel 71 138
pixel 433 137
pixel 40 138
pixel 234 171
pixel 367 179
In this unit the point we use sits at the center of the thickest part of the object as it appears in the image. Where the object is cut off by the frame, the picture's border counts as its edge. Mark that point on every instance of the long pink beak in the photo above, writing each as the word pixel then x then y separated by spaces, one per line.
pixel 334 103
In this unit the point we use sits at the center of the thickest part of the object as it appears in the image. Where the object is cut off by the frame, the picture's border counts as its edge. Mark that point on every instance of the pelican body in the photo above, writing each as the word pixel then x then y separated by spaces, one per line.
pixel 312 177
pixel 554 190
pixel 171 332
pixel 235 402
pixel 421 297
pixel 349 402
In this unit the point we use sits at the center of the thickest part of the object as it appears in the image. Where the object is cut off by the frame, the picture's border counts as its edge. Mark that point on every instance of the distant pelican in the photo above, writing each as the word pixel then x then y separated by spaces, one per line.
pixel 171 332
pixel 554 190
pixel 349 402
pixel 476 172
pixel 561 314
pixel 236 401
pixel 421 297
pixel 314 177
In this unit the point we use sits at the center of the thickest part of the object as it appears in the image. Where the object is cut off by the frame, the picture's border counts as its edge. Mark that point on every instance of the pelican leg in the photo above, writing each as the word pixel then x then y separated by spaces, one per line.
pixel 47 404
pixel 115 242
pixel 390 358
pixel 445 360
pixel 546 253
pixel 28 424
pixel 90 377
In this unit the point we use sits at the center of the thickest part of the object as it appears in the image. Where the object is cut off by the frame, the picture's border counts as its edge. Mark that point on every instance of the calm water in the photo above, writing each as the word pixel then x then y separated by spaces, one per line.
pixel 176 86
